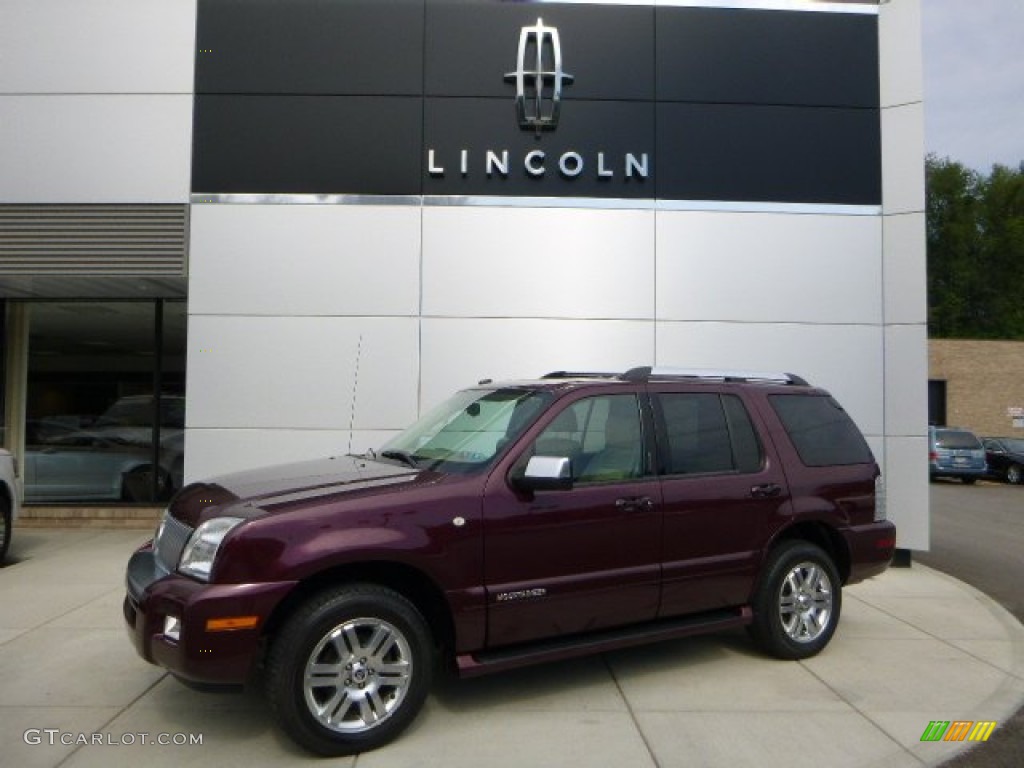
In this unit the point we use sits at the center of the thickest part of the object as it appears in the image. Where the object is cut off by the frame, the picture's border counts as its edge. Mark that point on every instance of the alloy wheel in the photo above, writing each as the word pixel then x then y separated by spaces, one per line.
pixel 358 675
pixel 805 602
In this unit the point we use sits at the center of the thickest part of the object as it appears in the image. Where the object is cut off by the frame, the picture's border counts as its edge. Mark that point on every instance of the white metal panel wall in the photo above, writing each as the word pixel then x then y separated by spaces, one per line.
pixel 95 100
pixel 114 46
pixel 769 267
pixel 901 70
pixel 305 260
pixel 310 379
pixel 281 294
pixel 303 331
pixel 95 148
pixel 905 457
pixel 458 352
pixel 538 262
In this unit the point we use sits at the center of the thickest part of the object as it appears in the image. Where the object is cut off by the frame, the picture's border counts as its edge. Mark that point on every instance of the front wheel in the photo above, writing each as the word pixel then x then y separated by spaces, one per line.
pixel 350 670
pixel 797 604
pixel 1014 475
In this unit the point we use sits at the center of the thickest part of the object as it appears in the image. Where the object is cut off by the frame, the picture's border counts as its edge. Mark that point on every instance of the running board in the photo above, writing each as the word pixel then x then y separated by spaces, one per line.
pixel 472 665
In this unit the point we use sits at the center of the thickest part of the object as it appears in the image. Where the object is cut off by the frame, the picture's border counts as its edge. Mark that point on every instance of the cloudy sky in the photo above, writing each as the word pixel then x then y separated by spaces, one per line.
pixel 974 81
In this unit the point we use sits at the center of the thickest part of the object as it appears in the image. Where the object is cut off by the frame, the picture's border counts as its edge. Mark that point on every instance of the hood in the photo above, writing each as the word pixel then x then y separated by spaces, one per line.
pixel 276 488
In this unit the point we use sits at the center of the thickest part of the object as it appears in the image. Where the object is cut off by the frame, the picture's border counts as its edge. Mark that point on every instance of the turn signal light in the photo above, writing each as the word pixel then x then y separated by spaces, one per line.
pixel 228 623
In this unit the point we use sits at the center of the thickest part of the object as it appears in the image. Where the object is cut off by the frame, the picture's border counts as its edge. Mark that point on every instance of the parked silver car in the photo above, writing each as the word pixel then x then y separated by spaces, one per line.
pixel 8 501
pixel 87 466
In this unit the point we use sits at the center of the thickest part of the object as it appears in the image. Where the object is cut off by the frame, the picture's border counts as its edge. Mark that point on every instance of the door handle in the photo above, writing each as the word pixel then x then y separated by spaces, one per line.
pixel 635 504
pixel 766 491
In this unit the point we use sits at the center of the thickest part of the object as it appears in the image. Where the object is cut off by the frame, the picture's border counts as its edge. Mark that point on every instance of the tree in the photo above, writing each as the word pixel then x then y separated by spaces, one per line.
pixel 975 233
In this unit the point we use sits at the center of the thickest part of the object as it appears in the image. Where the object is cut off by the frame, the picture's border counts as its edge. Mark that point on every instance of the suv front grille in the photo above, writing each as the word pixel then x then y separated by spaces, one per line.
pixel 170 541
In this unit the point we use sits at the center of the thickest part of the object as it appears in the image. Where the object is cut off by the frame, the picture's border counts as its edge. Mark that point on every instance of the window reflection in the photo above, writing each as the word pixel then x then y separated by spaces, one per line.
pixel 105 401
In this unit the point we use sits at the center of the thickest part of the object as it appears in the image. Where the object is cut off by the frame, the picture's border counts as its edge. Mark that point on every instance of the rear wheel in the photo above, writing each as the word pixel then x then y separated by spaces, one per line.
pixel 350 670
pixel 1014 474
pixel 797 603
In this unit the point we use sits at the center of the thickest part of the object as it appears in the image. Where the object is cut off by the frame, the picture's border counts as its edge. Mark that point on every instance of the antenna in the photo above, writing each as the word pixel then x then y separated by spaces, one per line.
pixel 355 390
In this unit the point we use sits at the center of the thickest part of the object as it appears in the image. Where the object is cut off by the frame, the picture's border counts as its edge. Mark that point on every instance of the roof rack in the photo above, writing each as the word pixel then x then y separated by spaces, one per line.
pixel 646 373
pixel 581 375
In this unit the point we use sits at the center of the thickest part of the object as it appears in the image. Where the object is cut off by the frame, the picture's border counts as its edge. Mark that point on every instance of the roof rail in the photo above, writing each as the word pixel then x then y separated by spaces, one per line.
pixel 646 373
pixel 581 375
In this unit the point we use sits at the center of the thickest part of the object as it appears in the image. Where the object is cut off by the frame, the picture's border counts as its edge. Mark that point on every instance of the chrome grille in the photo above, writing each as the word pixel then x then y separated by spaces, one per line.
pixel 170 540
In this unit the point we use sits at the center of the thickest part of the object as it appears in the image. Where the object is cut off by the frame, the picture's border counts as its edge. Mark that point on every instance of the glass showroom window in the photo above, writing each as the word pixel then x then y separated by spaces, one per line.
pixel 105 405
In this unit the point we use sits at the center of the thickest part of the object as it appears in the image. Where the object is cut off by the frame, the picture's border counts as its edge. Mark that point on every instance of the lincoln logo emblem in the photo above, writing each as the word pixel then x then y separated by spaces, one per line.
pixel 539 89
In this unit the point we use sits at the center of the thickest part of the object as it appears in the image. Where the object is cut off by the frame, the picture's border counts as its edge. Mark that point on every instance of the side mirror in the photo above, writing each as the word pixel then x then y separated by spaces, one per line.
pixel 546 473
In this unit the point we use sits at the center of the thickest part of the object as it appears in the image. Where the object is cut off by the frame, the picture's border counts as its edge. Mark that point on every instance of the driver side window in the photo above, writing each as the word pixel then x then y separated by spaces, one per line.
pixel 601 436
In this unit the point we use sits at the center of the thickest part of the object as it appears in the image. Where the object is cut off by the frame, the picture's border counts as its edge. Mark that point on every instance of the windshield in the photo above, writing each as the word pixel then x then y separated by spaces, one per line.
pixel 1014 445
pixel 468 430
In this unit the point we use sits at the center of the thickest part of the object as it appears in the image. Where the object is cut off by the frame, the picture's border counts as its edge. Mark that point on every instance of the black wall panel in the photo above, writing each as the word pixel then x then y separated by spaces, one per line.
pixel 307 144
pixel 351 96
pixel 729 56
pixel 362 47
pixel 769 154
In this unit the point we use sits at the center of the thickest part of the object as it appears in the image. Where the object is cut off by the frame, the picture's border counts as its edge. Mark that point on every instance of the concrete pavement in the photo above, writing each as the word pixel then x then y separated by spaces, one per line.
pixel 912 646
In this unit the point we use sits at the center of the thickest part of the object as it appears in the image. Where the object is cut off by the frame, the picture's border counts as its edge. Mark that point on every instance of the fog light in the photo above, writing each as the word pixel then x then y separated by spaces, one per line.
pixel 172 628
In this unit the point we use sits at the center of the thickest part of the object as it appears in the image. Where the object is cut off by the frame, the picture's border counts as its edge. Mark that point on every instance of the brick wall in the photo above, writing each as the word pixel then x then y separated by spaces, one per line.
pixel 983 379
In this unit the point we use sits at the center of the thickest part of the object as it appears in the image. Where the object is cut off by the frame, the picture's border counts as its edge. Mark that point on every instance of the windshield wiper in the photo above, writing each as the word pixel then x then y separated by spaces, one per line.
pixel 403 456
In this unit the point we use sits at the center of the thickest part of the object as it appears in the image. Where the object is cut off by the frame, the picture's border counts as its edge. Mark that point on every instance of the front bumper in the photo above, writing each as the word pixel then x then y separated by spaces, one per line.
pixel 872 547
pixel 198 654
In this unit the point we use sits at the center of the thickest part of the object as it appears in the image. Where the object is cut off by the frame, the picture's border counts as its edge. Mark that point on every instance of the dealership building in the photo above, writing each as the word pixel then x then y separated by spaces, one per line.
pixel 291 227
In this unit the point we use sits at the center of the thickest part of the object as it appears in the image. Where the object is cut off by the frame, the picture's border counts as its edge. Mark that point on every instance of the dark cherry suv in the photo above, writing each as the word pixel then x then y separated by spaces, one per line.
pixel 518 522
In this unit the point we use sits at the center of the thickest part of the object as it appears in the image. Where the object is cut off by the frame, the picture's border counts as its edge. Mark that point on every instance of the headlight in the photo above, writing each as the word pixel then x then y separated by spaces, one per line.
pixel 201 550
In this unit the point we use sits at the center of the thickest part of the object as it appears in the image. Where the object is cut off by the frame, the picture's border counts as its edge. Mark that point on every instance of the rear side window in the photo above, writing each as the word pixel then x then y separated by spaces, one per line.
pixel 708 433
pixel 822 432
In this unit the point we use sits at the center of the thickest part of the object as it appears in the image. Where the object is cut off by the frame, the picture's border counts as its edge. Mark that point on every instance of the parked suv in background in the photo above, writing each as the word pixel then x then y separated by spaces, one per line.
pixel 516 523
pixel 955 452
pixel 8 501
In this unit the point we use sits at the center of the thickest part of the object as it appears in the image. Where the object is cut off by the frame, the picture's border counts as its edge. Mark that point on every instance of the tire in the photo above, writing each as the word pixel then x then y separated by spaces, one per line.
pixel 968 480
pixel 1014 474
pixel 6 525
pixel 798 601
pixel 371 652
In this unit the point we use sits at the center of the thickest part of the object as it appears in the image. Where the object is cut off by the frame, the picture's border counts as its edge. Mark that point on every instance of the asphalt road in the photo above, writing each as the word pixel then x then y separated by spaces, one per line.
pixel 978 537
